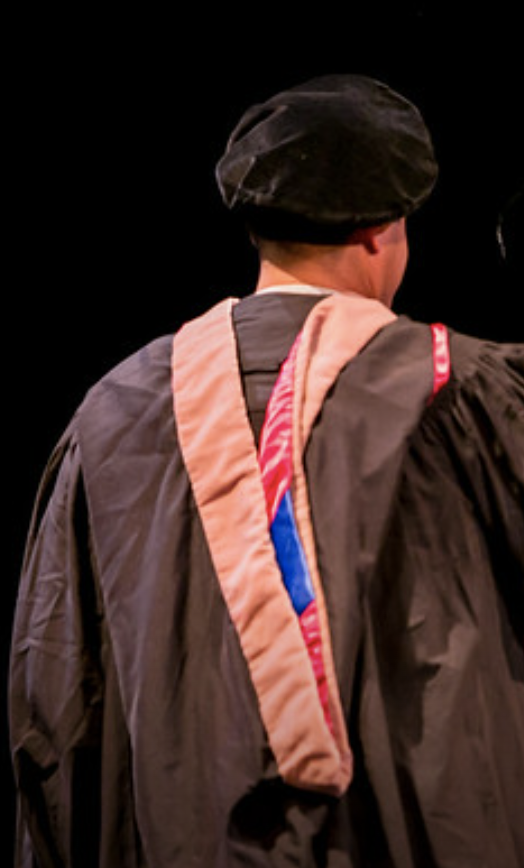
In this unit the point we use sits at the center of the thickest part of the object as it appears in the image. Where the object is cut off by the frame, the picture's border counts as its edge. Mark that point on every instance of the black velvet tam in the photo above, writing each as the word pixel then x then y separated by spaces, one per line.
pixel 327 156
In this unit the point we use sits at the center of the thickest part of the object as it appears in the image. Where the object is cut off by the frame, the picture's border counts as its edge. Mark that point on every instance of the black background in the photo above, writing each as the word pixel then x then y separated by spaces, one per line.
pixel 115 232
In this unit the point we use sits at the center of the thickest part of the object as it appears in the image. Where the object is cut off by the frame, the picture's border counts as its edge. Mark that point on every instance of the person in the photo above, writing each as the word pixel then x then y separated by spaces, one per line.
pixel 271 608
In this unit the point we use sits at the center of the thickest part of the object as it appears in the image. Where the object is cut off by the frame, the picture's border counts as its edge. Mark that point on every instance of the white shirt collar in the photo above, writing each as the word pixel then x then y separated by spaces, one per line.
pixel 297 288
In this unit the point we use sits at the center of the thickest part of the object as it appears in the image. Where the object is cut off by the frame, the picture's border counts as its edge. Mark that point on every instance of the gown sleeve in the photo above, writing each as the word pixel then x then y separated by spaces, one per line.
pixel 486 428
pixel 55 694
pixel 446 624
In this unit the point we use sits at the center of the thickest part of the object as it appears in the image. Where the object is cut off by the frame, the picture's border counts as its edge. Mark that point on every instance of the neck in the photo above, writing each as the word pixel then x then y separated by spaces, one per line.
pixel 371 263
pixel 324 269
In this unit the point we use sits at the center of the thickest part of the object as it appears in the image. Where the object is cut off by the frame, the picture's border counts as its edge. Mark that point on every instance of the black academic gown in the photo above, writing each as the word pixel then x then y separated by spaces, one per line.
pixel 135 729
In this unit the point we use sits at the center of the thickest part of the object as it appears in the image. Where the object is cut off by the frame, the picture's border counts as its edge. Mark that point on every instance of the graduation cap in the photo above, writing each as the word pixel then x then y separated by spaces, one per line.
pixel 325 157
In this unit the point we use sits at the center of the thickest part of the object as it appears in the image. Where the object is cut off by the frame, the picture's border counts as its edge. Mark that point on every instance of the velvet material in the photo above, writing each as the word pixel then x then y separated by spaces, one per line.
pixel 316 161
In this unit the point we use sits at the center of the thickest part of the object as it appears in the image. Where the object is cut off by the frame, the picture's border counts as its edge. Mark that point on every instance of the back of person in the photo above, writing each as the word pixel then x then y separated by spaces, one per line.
pixel 272 603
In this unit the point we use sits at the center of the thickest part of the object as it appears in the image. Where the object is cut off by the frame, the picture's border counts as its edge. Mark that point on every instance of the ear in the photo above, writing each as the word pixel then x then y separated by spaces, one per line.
pixel 367 236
